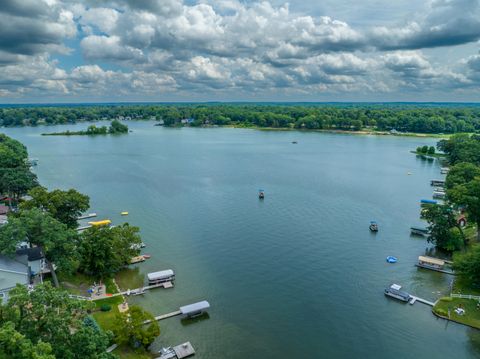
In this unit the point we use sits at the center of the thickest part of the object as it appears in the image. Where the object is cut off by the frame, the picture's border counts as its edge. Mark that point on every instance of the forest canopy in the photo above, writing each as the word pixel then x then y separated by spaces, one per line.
pixel 421 118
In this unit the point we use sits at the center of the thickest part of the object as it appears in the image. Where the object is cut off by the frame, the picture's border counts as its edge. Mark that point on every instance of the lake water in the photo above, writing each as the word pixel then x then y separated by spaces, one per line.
pixel 296 275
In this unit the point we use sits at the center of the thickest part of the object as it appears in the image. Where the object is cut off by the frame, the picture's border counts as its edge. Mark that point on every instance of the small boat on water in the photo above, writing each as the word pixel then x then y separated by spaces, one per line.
pixel 427 201
pixel 417 231
pixel 439 195
pixel 125 213
pixel 294 142
pixel 261 194
pixel 373 226
pixel 147 256
pixel 395 291
pixel 391 259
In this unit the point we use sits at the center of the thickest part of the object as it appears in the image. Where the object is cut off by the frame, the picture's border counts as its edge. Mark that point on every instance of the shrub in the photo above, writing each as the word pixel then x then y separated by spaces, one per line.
pixel 441 312
pixel 105 308
pixel 446 299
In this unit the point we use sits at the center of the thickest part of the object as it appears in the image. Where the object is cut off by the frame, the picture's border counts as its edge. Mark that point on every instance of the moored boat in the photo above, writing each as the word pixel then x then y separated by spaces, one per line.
pixel 373 226
pixel 395 291
pixel 419 231
pixel 261 194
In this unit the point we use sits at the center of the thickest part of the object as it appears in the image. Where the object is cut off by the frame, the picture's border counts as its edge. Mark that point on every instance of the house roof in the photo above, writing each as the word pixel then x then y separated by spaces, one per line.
pixel 12 272
pixel 33 254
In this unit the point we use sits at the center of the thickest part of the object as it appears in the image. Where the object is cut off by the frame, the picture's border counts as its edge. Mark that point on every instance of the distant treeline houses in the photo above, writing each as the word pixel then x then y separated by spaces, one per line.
pixel 381 117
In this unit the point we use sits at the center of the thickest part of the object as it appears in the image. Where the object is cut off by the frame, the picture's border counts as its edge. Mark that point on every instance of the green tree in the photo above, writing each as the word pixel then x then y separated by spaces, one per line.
pixel 461 174
pixel 444 230
pixel 48 315
pixel 17 181
pixel 104 251
pixel 431 150
pixel 129 329
pixel 65 206
pixel 38 228
pixel 467 264
pixel 15 345
pixel 468 195
pixel 117 127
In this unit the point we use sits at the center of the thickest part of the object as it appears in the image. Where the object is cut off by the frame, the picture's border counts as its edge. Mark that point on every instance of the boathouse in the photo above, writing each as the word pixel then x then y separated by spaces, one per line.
pixel 195 309
pixel 430 263
pixel 163 276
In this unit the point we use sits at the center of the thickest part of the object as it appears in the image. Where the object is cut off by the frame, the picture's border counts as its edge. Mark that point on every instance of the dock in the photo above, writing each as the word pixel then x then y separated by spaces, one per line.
pixel 421 300
pixel 184 350
pixel 136 291
pixel 439 183
pixel 177 352
pixel 436 269
pixel 89 215
pixel 82 228
pixel 137 259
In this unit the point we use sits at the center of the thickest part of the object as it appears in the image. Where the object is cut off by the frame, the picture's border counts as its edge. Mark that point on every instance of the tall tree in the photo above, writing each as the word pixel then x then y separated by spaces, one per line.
pixel 468 264
pixel 48 315
pixel 38 228
pixel 445 232
pixel 468 195
pixel 129 328
pixel 15 345
pixel 104 251
pixel 65 206
pixel 461 174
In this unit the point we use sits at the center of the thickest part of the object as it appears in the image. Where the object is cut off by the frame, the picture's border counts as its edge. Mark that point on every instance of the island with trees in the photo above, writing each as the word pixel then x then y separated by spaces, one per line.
pixel 115 128
pixel 46 320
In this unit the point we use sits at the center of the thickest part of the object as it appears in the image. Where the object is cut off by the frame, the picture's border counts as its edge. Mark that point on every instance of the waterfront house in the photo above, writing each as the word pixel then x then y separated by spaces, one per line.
pixel 34 259
pixel 12 272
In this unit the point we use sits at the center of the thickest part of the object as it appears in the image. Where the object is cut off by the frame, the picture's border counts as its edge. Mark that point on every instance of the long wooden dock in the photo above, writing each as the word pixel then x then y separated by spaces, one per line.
pixel 89 215
pixel 421 300
pixel 136 291
pixel 436 270
pixel 82 228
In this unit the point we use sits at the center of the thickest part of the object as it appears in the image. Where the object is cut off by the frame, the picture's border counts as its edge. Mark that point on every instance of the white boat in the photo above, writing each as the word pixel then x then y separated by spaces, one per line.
pixel 395 291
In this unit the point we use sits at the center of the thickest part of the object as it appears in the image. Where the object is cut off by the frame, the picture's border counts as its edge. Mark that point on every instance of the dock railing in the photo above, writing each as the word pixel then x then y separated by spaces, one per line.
pixel 465 296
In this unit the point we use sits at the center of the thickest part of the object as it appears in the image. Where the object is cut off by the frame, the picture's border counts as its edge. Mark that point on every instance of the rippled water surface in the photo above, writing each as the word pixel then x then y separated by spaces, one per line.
pixel 296 275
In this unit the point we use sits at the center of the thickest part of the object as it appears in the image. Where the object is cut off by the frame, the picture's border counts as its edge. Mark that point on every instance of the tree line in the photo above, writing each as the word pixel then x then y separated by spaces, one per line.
pixel 462 187
pixel 421 118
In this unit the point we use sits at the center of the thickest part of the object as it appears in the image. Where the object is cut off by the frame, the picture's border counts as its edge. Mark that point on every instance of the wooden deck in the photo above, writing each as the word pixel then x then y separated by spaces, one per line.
pixel 184 350
pixel 82 228
pixel 436 270
pixel 164 316
pixel 90 215
pixel 421 300
pixel 137 291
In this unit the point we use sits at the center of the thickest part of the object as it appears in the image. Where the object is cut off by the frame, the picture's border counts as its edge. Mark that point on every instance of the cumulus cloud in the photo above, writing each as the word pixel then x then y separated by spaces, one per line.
pixel 450 22
pixel 152 46
pixel 32 27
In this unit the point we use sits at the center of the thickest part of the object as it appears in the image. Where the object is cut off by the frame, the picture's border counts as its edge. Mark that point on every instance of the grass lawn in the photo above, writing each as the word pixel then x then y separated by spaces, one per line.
pixel 76 283
pixel 105 319
pixel 129 278
pixel 463 286
pixel 472 313
pixel 125 352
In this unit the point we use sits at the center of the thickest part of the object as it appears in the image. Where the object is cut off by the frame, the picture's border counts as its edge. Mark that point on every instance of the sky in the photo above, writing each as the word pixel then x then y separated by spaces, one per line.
pixel 68 51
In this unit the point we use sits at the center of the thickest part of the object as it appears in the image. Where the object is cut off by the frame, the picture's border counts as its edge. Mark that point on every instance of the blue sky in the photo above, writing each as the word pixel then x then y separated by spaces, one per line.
pixel 231 50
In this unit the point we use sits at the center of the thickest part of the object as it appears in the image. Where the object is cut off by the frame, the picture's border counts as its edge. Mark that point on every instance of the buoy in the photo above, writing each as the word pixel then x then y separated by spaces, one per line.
pixel 124 213
pixel 391 259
